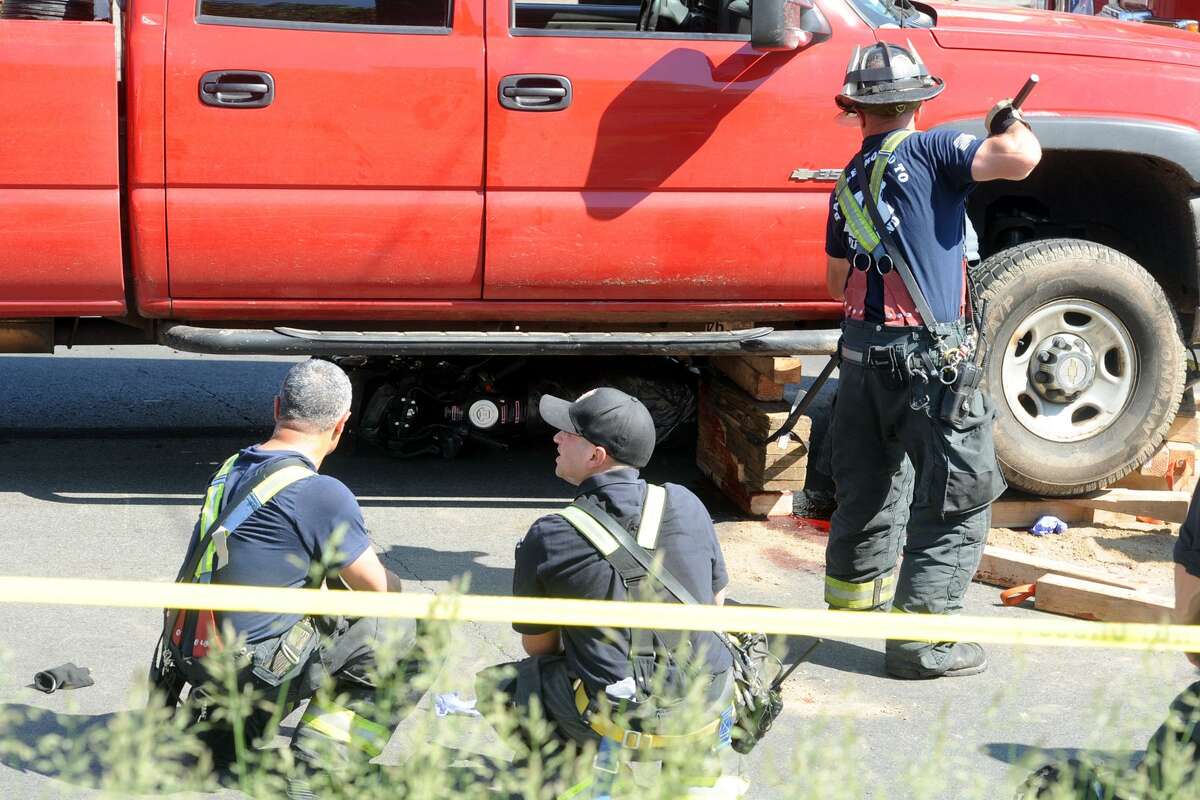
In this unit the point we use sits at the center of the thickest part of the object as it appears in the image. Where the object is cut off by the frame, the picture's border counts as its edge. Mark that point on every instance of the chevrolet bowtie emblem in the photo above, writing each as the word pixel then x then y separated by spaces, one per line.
pixel 801 174
pixel 1073 372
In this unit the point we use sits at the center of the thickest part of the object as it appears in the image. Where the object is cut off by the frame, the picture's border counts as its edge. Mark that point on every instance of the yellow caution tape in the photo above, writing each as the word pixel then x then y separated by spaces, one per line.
pixel 598 613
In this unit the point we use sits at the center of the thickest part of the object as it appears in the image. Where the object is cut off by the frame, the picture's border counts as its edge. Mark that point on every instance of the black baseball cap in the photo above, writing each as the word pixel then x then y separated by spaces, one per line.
pixel 608 418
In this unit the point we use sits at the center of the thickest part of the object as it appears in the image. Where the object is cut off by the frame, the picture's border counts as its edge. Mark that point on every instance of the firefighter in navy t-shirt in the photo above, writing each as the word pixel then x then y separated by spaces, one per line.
pixel 296 528
pixel 898 368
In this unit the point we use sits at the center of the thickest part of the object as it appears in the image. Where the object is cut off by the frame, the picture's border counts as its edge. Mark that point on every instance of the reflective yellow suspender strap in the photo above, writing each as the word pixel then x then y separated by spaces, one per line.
pixel 258 497
pixel 652 514
pixel 212 498
pixel 592 530
pixel 857 219
pixel 889 146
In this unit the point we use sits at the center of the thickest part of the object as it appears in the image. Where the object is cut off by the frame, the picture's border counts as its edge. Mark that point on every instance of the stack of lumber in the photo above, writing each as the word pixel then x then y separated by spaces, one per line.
pixel 741 402
pixel 1072 590
pixel 1015 510
pixel 1173 466
pixel 1161 489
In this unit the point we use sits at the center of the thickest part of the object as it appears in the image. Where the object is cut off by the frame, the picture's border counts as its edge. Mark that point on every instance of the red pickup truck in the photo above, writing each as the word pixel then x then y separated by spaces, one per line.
pixel 394 177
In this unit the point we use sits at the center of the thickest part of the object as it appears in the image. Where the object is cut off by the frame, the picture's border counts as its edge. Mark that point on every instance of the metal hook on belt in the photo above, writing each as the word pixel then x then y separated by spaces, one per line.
pixel 920 383
pixel 884 264
pixel 861 261
pixel 948 374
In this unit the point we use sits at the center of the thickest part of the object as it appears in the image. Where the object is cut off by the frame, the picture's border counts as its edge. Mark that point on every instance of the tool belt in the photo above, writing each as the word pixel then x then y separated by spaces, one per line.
pixel 952 365
pixel 640 740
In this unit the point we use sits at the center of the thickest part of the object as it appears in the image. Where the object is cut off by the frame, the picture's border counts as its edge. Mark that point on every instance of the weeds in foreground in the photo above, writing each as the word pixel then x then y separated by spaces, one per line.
pixel 156 749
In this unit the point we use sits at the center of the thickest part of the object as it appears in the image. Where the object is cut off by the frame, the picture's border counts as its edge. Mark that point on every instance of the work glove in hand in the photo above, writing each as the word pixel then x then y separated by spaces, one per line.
pixel 68 676
pixel 1002 116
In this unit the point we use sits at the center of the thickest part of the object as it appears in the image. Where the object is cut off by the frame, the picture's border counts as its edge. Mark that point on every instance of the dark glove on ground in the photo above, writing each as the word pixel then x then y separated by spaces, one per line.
pixel 68 676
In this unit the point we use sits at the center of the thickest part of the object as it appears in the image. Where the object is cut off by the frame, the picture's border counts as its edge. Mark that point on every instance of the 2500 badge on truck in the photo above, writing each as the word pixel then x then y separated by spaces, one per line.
pixel 438 177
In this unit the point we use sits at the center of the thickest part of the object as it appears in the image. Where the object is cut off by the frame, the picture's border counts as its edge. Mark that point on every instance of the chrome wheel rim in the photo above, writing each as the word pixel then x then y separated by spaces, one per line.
pixel 1086 382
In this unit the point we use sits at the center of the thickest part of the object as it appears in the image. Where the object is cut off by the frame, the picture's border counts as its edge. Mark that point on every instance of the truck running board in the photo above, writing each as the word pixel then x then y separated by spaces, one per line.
pixel 297 341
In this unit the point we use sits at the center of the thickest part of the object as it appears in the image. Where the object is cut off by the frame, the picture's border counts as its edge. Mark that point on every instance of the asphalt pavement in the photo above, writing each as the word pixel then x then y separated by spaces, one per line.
pixel 104 454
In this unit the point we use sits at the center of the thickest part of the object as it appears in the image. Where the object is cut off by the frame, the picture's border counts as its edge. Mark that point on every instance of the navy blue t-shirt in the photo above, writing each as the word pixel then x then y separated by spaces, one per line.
pixel 922 198
pixel 278 544
pixel 555 560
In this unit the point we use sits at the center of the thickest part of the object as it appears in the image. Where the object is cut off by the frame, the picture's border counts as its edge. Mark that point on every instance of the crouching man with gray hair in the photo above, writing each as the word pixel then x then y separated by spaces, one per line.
pixel 269 519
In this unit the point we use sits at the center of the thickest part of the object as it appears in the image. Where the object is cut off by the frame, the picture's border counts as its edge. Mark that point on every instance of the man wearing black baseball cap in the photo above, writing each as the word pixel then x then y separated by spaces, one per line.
pixel 603 439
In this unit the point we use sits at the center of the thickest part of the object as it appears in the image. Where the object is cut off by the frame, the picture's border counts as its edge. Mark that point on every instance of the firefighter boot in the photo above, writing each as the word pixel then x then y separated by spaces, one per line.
pixel 944 660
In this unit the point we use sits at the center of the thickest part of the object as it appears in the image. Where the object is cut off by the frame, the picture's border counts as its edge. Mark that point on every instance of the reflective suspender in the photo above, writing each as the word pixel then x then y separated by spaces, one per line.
pixel 602 540
pixel 856 217
pixel 652 512
pixel 216 555
pixel 194 631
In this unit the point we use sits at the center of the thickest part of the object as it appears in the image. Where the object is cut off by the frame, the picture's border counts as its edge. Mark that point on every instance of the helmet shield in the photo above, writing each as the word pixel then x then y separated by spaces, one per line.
pixel 886 74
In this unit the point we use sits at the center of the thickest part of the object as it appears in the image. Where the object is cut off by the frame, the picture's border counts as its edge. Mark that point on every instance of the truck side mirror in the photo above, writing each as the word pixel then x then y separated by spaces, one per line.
pixel 785 24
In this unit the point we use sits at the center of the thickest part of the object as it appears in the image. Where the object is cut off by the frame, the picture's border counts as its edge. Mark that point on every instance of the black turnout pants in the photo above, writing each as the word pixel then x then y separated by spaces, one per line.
pixel 907 481
pixel 330 733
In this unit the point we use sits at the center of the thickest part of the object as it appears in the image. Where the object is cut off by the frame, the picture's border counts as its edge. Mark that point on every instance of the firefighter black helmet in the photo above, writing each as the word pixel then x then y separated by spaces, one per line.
pixel 887 74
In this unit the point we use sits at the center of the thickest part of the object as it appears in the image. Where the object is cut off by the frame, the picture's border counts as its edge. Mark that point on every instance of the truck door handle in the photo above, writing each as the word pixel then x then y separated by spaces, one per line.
pixel 237 89
pixel 535 92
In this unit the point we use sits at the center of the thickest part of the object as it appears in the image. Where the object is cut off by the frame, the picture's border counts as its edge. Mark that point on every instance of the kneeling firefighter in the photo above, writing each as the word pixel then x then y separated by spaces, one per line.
pixel 911 356
pixel 269 519
pixel 625 539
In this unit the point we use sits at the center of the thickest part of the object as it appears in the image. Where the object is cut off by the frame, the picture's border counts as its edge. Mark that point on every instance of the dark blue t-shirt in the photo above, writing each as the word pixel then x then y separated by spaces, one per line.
pixel 925 189
pixel 278 544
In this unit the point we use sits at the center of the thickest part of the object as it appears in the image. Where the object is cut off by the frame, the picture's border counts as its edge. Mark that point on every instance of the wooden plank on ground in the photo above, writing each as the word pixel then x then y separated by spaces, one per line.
pixel 1021 511
pixel 1169 506
pixel 1005 567
pixel 1059 594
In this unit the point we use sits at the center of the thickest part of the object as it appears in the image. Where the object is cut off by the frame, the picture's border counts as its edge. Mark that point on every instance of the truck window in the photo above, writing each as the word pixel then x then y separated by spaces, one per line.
pixel 684 19
pixel 320 13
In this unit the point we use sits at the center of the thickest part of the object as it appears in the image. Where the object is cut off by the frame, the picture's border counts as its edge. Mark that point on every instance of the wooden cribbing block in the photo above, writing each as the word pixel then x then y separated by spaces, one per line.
pixel 731 425
pixel 1059 594
pixel 1186 427
pixel 762 377
pixel 759 478
pixel 1171 468
pixel 1004 567
pixel 1169 506
pixel 1020 511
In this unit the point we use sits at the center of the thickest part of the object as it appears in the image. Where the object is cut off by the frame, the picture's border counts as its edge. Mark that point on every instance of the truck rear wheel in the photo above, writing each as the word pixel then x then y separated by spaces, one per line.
pixel 1086 364
pixel 48 9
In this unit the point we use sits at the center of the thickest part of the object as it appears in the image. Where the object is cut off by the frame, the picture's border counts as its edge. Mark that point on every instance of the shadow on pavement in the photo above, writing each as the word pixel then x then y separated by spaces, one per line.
pixel 137 471
pixel 426 564
pixel 50 743
pixel 1032 756
pixel 830 653
pixel 848 657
